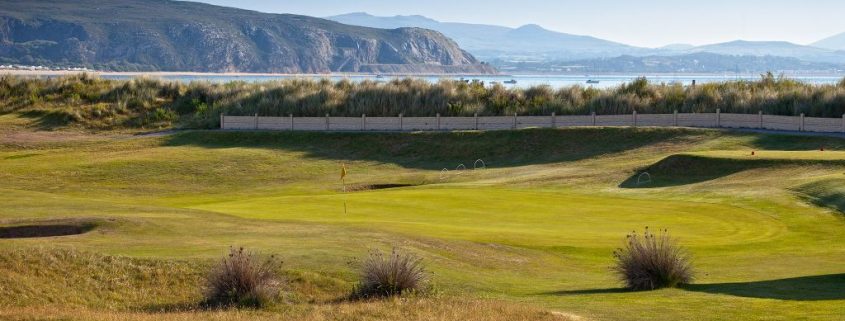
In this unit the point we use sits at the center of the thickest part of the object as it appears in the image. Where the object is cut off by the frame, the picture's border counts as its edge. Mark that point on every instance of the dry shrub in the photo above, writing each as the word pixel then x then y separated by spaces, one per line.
pixel 390 275
pixel 243 279
pixel 650 261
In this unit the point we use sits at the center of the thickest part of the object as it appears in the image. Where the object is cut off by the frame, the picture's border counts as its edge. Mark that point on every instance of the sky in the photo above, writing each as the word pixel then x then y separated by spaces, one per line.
pixel 646 23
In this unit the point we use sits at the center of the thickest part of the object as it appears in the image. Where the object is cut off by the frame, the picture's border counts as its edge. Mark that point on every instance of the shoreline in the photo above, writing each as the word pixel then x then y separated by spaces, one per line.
pixel 20 72
pixel 218 74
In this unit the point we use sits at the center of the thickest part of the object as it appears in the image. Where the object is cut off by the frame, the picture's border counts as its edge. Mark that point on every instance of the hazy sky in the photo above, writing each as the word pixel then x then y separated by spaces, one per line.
pixel 649 23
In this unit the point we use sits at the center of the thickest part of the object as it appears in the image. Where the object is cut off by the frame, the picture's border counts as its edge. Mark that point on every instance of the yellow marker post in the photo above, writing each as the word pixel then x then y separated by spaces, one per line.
pixel 343 176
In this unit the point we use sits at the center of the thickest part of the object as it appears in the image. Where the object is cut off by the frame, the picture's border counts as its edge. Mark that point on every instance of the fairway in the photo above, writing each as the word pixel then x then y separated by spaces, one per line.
pixel 536 229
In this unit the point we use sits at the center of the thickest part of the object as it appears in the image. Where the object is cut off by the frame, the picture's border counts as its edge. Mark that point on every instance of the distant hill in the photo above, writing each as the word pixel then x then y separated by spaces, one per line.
pixel 186 36
pixel 836 42
pixel 497 42
pixel 677 47
pixel 774 48
pixel 532 45
pixel 700 63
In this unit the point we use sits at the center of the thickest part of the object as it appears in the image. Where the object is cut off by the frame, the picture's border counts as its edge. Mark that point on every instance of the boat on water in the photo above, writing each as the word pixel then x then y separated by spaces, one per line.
pixel 379 76
pixel 510 82
pixel 592 81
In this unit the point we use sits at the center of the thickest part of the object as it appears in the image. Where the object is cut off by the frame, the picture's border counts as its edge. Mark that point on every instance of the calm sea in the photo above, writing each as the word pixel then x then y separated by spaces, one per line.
pixel 557 81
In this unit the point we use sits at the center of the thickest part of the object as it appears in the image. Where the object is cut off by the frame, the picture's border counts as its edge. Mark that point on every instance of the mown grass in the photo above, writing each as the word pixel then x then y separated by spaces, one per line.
pixel 539 226
pixel 90 102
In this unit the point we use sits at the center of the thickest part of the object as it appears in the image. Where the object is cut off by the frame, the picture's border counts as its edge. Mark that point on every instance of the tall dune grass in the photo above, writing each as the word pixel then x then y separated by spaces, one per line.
pixel 146 102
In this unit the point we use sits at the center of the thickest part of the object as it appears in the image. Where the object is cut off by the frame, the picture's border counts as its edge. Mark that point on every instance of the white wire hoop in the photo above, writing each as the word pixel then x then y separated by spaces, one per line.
pixel 444 174
pixel 644 178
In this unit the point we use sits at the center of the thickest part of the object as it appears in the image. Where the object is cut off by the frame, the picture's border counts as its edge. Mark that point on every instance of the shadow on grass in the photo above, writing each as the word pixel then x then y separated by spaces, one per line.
pixel 47 120
pixel 797 142
pixel 437 150
pixel 589 291
pixel 807 288
pixel 677 170
pixel 175 308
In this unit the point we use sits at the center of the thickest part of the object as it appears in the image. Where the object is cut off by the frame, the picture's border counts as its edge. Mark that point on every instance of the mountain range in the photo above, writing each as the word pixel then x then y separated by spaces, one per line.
pixel 166 35
pixel 490 42
pixel 186 36
pixel 836 42
pixel 507 47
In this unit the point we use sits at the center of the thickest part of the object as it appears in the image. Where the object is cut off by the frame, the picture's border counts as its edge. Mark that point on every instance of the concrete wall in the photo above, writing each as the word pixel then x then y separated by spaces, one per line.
pixel 703 120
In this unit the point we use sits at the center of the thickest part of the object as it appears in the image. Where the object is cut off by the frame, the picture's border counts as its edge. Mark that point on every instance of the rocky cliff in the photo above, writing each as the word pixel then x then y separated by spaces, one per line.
pixel 184 36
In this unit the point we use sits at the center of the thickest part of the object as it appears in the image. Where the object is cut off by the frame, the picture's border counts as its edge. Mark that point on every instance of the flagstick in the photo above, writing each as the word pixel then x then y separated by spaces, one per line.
pixel 344 196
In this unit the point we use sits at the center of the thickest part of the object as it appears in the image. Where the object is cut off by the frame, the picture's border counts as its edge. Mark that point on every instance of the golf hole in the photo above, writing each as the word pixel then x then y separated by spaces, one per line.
pixel 372 187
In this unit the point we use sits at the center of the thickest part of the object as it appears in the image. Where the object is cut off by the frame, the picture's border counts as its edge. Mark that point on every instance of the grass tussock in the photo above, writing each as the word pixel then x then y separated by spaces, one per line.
pixel 650 261
pixel 244 279
pixel 393 274
pixel 92 102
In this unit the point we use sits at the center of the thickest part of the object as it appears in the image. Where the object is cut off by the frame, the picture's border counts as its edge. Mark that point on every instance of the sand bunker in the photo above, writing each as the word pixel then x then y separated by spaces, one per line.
pixel 44 230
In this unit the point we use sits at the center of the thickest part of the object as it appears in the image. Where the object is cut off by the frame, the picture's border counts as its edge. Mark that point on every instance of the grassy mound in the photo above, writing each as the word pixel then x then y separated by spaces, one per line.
pixel 684 169
pixel 828 193
pixel 41 277
pixel 445 150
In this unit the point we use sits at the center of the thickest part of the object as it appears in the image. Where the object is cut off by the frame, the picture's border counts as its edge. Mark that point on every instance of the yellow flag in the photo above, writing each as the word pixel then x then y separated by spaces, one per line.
pixel 342 171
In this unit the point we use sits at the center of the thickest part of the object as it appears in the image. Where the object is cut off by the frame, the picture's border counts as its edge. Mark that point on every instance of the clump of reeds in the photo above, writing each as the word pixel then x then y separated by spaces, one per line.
pixel 650 261
pixel 243 279
pixel 396 273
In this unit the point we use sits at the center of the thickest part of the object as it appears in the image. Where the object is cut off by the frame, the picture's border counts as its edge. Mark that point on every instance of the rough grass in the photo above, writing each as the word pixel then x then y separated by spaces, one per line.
pixel 34 277
pixel 54 284
pixel 90 102
pixel 413 309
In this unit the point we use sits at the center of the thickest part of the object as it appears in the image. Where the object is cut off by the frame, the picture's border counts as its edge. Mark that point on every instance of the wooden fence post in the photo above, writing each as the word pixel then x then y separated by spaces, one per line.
pixel 718 118
pixel 256 120
pixel 801 123
pixel 291 122
pixel 438 121
pixel 223 121
pixel 476 120
pixel 327 121
pixel 363 122
pixel 675 118
pixel 761 119
pixel 594 117
pixel 401 125
pixel 554 120
pixel 635 118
